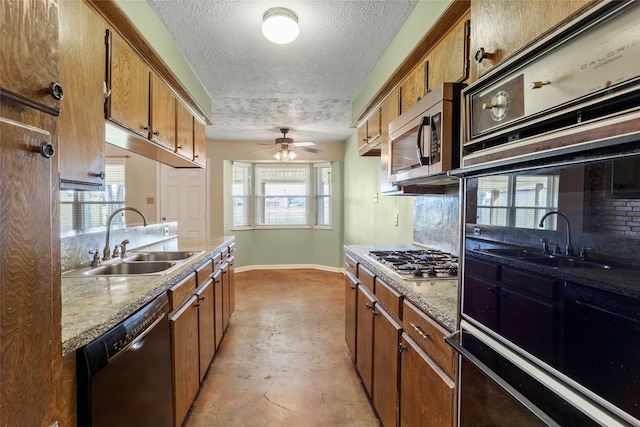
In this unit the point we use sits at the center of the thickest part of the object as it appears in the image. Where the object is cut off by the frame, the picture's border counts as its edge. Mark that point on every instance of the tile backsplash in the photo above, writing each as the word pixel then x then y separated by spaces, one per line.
pixel 75 249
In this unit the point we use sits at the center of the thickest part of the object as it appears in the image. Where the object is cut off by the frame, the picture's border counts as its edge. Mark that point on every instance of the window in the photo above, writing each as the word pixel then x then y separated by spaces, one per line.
pixel 516 201
pixel 323 194
pixel 88 210
pixel 281 195
pixel 241 194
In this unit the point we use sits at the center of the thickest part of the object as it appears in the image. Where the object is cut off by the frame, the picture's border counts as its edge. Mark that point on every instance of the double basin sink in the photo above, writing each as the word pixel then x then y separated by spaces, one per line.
pixel 548 260
pixel 141 263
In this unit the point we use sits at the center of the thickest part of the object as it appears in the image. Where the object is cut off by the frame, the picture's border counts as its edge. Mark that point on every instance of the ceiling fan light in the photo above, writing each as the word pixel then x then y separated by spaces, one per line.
pixel 277 156
pixel 292 155
pixel 280 25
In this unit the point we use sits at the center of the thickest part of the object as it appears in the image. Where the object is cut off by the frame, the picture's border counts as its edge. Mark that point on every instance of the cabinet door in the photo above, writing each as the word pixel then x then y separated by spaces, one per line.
pixel 413 87
pixel 82 74
pixel 217 290
pixel 530 323
pixel 29 51
pixel 350 307
pixel 185 359
pixel 199 143
pixel 184 131
pixel 232 283
pixel 163 113
pixel 29 302
pixel 128 80
pixel 389 111
pixel 480 301
pixel 530 18
pixel 386 367
pixel 226 296
pixel 364 337
pixel 206 325
pixel 427 394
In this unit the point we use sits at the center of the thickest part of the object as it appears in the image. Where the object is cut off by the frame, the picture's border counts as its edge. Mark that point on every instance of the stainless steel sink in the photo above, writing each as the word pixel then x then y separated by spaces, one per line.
pixel 129 268
pixel 160 256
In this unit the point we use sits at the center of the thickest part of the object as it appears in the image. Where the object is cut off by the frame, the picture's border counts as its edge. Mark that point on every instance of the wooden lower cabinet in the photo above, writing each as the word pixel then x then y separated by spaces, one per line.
pixel 206 325
pixel 364 337
pixel 232 287
pixel 427 394
pixel 350 324
pixel 386 366
pixel 217 290
pixel 185 358
pixel 226 296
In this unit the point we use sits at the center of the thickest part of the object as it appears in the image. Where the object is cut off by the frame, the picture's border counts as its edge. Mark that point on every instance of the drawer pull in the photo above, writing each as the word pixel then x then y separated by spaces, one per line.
pixel 419 330
pixel 369 307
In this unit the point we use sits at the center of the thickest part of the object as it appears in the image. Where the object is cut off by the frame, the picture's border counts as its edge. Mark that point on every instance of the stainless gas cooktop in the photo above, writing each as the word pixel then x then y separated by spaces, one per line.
pixel 419 264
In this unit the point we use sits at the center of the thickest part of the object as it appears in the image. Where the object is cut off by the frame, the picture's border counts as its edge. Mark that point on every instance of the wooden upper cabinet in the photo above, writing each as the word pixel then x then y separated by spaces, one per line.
pixel 413 87
pixel 389 111
pixel 185 131
pixel 532 19
pixel 369 135
pixel 199 143
pixel 29 52
pixel 163 113
pixel 128 80
pixel 82 74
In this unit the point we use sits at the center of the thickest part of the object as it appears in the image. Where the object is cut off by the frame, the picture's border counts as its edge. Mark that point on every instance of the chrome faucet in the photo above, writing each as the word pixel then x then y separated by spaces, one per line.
pixel 106 253
pixel 568 249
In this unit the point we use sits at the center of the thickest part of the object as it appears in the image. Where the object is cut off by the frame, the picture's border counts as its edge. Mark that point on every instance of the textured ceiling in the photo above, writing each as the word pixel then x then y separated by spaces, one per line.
pixel 258 87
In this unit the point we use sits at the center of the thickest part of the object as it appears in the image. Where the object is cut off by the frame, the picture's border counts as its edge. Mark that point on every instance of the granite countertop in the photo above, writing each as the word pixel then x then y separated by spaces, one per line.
pixel 437 297
pixel 93 305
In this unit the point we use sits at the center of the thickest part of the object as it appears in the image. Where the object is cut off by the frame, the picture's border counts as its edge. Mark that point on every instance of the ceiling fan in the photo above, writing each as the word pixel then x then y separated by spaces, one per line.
pixel 287 147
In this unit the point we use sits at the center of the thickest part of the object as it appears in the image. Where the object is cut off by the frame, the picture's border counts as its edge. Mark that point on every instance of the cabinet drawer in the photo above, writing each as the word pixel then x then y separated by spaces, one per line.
pixel 482 269
pixel 542 286
pixel 367 278
pixel 181 291
pixel 217 261
pixel 389 299
pixel 351 265
pixel 429 336
pixel 203 273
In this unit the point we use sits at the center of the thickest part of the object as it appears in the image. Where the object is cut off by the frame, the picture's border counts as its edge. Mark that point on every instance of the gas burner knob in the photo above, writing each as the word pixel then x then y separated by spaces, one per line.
pixel 417 272
pixel 453 270
pixel 432 271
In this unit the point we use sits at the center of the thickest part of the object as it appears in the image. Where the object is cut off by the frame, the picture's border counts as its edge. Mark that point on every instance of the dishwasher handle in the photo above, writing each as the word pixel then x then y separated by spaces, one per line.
pixel 138 342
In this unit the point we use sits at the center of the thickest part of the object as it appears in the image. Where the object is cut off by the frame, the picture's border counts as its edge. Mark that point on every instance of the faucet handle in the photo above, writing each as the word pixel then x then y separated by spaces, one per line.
pixel 95 262
pixel 545 246
pixel 116 251
pixel 556 249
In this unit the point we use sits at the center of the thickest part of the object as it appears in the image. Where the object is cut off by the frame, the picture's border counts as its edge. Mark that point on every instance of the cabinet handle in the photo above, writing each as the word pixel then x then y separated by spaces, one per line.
pixel 401 347
pixel 353 287
pixel 374 313
pixel 147 128
pixel 156 133
pixel 55 90
pixel 195 156
pixel 419 330
pixel 482 54
pixel 179 147
pixel 47 150
pixel 368 306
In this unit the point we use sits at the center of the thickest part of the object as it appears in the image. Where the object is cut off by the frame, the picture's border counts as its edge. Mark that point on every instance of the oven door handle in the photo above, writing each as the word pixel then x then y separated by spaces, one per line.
pixel 424 161
pixel 454 341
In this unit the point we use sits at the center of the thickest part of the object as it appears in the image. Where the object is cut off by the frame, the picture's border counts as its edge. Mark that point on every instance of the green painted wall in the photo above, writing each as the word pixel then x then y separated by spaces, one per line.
pixel 153 30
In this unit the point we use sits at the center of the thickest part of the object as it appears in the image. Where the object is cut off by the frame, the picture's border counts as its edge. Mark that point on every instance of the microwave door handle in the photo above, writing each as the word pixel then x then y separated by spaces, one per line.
pixel 424 161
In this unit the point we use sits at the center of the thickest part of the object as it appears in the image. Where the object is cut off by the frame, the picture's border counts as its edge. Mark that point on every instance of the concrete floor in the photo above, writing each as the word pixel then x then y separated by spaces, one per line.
pixel 283 361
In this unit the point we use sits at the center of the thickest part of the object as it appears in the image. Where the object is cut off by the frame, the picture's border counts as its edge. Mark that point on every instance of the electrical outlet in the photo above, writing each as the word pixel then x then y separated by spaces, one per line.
pixel 166 231
pixel 395 219
pixel 476 231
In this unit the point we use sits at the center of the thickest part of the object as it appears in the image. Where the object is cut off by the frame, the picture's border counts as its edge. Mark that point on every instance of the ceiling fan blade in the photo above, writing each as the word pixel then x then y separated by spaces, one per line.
pixel 304 144
pixel 311 150
pixel 260 151
pixel 267 143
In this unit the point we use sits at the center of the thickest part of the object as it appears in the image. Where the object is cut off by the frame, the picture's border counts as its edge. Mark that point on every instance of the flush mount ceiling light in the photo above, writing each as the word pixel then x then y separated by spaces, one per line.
pixel 280 25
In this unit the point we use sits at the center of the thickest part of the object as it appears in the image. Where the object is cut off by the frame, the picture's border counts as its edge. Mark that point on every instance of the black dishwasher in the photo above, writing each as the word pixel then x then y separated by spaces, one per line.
pixel 124 376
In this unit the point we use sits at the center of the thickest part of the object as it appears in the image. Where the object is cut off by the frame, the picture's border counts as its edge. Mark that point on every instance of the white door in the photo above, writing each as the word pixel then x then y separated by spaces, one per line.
pixel 184 198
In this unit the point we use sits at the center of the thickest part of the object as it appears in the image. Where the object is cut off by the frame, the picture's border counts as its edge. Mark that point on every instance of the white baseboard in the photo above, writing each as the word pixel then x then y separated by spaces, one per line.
pixel 289 267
